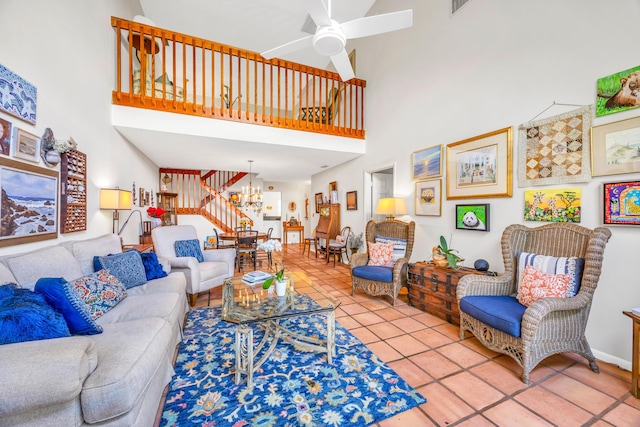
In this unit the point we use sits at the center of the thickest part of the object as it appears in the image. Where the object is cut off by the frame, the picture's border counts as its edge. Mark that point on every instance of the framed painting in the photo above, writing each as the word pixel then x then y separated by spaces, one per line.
pixel 428 197
pixel 234 198
pixel 553 205
pixel 618 92
pixel 26 146
pixel 427 163
pixel 5 137
pixel 318 201
pixel 555 150
pixel 352 200
pixel 621 203
pixel 30 212
pixel 18 97
pixel 480 166
pixel 615 147
pixel 472 217
pixel 143 201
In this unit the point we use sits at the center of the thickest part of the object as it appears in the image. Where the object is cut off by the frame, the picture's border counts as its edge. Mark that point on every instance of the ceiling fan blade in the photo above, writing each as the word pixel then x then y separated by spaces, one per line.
pixel 318 12
pixel 288 47
pixel 343 65
pixel 377 24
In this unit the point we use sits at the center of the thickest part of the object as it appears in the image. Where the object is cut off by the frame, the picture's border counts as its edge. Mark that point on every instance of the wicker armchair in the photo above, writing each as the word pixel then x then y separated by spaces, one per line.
pixel 548 325
pixel 395 230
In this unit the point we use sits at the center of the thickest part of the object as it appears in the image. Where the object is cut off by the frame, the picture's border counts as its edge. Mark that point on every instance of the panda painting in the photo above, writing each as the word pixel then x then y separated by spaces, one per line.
pixel 472 217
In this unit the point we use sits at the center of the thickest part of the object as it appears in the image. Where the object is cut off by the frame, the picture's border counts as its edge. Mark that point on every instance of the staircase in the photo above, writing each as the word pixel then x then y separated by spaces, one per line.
pixel 200 194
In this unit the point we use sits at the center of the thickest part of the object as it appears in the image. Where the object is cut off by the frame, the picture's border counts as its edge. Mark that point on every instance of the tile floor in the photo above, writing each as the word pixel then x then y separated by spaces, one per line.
pixel 466 384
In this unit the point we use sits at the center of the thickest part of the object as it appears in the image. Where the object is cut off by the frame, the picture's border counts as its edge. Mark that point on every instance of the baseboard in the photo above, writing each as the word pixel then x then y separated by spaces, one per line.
pixel 605 357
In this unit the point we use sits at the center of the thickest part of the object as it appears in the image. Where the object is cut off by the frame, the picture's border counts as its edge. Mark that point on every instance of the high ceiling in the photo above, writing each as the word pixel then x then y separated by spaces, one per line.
pixel 256 25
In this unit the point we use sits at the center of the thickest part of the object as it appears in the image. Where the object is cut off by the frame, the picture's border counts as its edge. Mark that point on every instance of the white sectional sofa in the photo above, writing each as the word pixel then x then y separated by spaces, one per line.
pixel 115 378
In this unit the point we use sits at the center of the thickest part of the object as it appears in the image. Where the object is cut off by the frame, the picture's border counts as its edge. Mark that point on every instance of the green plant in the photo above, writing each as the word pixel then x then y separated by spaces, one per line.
pixel 279 276
pixel 443 250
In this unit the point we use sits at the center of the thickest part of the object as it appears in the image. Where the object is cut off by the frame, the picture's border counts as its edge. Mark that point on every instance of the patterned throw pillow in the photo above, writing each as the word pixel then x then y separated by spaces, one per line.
pixel 126 266
pixel 572 266
pixel 537 284
pixel 380 254
pixel 399 246
pixel 100 291
pixel 189 248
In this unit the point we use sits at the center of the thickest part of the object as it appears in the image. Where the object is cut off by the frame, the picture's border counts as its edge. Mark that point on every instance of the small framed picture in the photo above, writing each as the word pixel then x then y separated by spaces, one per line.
pixel 615 147
pixel 141 198
pixel 26 146
pixel 318 202
pixel 428 200
pixel 472 217
pixel 5 137
pixel 352 200
pixel 427 163
pixel 622 203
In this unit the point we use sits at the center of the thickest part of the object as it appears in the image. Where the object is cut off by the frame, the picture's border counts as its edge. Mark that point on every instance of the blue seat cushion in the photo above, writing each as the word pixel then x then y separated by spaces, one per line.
pixel 501 312
pixel 374 272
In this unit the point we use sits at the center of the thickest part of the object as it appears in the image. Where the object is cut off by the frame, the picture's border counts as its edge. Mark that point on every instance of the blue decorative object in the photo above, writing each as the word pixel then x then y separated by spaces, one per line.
pixel 152 267
pixel 189 248
pixel 126 266
pixel 481 265
pixel 100 291
pixel 501 312
pixel 61 296
pixel 26 316
pixel 17 96
pixel 292 387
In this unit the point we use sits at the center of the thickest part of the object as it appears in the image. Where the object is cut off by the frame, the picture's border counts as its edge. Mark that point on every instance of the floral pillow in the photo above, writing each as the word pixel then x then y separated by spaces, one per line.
pixel 536 284
pixel 380 254
pixel 100 291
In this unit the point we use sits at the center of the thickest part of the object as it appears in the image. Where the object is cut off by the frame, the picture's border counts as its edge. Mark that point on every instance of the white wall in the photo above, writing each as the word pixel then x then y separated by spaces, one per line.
pixel 495 64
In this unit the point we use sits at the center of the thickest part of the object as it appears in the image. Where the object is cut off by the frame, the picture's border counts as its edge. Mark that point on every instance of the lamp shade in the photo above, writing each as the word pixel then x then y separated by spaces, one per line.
pixel 391 207
pixel 115 198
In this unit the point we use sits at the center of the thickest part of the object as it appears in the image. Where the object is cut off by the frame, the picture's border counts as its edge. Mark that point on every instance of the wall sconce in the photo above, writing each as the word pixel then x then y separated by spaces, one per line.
pixel 391 207
pixel 114 199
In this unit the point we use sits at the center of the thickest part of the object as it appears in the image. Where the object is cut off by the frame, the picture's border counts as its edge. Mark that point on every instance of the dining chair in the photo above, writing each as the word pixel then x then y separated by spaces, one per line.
pixel 246 248
pixel 308 241
pixel 337 247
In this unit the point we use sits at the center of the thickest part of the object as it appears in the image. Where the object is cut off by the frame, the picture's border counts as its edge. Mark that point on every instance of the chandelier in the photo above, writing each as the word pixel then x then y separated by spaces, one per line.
pixel 251 196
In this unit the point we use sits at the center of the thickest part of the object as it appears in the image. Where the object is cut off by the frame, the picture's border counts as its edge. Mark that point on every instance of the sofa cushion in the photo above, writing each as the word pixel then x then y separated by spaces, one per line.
pixel 399 245
pixel 212 269
pixel 130 354
pixel 85 250
pixel 54 261
pixel 189 247
pixel 572 266
pixel 126 266
pixel 152 267
pixel 372 272
pixel 501 312
pixel 26 316
pixel 380 254
pixel 163 305
pixel 60 295
pixel 537 284
pixel 6 276
pixel 175 282
pixel 100 291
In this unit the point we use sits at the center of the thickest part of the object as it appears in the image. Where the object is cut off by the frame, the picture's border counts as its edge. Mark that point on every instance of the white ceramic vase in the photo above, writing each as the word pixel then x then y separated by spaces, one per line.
pixel 156 222
pixel 281 288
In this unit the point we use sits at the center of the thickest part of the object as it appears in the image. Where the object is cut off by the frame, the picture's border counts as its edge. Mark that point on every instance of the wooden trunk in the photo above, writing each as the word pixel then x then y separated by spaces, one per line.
pixel 433 289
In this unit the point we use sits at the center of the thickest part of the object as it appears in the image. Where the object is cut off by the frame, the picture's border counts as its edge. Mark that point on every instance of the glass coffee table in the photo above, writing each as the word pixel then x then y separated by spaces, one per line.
pixel 250 306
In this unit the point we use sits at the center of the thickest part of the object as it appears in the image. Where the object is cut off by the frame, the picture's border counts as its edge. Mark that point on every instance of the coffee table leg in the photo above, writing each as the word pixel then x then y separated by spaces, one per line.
pixel 331 335
pixel 244 354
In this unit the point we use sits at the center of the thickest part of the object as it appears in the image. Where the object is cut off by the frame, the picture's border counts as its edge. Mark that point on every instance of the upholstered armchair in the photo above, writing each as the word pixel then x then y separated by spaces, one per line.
pixel 204 270
pixel 384 280
pixel 491 308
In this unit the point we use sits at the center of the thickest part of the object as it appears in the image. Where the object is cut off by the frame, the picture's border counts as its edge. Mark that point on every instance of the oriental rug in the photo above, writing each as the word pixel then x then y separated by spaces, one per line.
pixel 292 387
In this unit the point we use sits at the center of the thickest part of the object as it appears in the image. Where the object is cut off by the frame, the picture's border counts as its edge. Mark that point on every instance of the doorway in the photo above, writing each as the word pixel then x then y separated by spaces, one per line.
pixel 380 184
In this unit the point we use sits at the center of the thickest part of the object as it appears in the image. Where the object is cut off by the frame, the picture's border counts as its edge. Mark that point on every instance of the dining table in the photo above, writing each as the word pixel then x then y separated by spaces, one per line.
pixel 262 236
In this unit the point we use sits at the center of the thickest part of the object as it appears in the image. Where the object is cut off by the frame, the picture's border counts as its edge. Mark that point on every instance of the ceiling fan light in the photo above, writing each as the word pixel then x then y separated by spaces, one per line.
pixel 329 40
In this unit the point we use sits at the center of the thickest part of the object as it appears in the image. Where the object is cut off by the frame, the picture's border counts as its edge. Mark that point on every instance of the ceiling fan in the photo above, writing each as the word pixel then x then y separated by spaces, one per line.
pixel 330 36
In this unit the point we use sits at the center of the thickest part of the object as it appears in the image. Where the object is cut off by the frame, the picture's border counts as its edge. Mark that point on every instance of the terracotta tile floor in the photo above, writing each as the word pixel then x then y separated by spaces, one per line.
pixel 466 384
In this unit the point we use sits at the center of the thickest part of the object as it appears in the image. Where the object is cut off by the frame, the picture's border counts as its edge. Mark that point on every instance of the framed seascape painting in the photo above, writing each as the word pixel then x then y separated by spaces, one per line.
pixel 480 166
pixel 30 211
pixel 428 198
pixel 472 217
pixel 615 147
pixel 621 203
pixel 427 163
pixel 26 146
pixel 553 205
pixel 618 92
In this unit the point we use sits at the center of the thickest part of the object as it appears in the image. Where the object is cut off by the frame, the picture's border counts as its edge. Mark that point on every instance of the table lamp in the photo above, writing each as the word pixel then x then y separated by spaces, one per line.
pixel 391 207
pixel 115 199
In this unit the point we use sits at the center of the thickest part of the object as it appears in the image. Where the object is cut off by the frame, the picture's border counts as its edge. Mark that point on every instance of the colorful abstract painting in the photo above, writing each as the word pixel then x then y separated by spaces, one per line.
pixel 622 203
pixel 553 205
pixel 17 96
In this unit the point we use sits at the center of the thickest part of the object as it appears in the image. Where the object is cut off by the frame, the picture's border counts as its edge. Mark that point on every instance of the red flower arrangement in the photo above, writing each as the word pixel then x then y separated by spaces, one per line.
pixel 154 212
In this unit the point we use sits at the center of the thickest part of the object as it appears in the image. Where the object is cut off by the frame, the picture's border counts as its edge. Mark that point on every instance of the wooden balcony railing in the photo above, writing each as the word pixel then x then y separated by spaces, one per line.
pixel 162 70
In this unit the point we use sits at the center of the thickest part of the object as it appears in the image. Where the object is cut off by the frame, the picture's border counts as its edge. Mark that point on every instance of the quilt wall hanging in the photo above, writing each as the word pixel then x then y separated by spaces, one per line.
pixel 556 150
pixel 17 96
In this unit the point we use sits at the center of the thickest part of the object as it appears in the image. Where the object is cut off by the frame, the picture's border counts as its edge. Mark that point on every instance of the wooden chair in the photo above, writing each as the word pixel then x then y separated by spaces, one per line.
pixel 548 326
pixel 308 241
pixel 337 247
pixel 326 113
pixel 375 280
pixel 246 248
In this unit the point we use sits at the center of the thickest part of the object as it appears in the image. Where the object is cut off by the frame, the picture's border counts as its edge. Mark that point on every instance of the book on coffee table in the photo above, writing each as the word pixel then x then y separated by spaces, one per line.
pixel 256 277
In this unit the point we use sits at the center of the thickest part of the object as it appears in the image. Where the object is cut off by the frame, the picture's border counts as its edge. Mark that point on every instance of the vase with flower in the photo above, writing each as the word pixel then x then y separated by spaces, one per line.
pixel 156 216
pixel 279 279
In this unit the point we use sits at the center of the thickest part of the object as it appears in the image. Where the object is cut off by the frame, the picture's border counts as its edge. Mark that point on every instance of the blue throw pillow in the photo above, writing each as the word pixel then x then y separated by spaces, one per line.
pixel 189 248
pixel 126 266
pixel 61 296
pixel 26 316
pixel 100 292
pixel 152 267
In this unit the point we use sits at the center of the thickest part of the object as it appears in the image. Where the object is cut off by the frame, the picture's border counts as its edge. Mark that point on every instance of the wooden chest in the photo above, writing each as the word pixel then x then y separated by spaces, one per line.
pixel 433 289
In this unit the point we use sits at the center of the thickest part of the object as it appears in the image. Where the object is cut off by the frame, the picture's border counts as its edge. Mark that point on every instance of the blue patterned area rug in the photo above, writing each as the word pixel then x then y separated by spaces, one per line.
pixel 291 388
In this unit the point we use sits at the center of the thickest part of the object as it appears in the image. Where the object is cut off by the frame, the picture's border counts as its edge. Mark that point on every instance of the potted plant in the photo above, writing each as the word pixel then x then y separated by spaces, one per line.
pixel 443 255
pixel 281 284
pixel 355 241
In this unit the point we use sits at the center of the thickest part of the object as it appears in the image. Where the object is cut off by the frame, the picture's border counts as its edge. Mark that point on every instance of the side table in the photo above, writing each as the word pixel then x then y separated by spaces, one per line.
pixel 635 360
pixel 142 248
